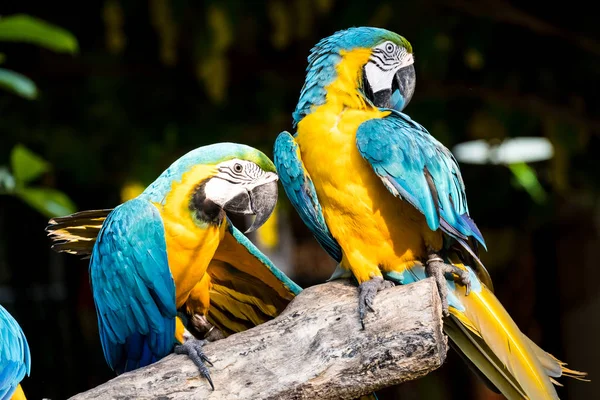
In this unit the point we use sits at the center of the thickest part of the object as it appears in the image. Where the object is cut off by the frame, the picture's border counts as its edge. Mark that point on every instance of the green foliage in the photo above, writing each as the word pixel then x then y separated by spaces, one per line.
pixel 526 178
pixel 27 29
pixel 50 202
pixel 18 84
pixel 27 166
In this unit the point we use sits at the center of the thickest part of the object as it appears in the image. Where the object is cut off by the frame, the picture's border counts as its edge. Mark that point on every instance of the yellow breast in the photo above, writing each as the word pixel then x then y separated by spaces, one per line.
pixel 18 394
pixel 376 230
pixel 190 247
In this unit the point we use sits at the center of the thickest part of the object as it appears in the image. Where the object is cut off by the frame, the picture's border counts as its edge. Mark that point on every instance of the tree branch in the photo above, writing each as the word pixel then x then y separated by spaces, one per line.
pixel 315 349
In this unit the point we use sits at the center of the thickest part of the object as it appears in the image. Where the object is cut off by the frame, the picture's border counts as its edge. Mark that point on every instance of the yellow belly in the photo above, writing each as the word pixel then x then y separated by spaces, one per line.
pixel 189 251
pixel 377 231
pixel 18 394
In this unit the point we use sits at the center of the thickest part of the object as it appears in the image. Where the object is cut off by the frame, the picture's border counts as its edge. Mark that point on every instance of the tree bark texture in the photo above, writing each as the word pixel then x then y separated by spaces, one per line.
pixel 316 349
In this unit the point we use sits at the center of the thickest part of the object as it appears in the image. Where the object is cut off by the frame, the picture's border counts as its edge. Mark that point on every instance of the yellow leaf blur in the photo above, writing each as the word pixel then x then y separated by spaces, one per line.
pixel 280 19
pixel 213 68
pixel 131 190
pixel 474 59
pixel 304 18
pixel 442 42
pixel 267 235
pixel 323 6
pixel 213 72
pixel 114 20
pixel 483 125
pixel 218 21
pixel 166 28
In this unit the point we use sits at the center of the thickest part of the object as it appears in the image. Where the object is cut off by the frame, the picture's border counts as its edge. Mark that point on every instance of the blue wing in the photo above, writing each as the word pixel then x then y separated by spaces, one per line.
pixel 15 360
pixel 300 190
pixel 133 288
pixel 414 166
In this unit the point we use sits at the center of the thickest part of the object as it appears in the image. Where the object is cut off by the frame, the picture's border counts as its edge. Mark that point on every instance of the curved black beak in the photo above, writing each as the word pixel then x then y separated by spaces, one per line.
pixel 403 87
pixel 401 92
pixel 263 200
pixel 259 201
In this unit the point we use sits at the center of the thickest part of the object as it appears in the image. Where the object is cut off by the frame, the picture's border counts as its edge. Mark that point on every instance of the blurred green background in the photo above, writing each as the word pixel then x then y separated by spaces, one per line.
pixel 98 103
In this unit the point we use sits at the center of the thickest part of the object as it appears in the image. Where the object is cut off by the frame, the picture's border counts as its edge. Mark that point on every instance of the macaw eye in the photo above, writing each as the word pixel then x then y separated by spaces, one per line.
pixel 389 48
pixel 238 168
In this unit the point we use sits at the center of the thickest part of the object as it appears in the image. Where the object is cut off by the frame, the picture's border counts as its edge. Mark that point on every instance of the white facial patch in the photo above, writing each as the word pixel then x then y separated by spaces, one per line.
pixel 220 191
pixel 407 60
pixel 235 177
pixel 386 59
pixel 378 79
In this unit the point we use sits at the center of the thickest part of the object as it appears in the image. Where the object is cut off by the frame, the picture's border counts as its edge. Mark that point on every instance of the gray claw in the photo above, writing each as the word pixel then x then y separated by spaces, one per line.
pixel 192 347
pixel 366 295
pixel 437 268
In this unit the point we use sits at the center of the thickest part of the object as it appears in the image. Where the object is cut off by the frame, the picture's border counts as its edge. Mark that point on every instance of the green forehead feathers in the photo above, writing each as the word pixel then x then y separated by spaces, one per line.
pixel 325 55
pixel 400 41
pixel 206 155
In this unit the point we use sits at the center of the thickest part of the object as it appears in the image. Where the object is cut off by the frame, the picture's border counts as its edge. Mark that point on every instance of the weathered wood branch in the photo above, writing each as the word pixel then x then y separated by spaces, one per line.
pixel 315 349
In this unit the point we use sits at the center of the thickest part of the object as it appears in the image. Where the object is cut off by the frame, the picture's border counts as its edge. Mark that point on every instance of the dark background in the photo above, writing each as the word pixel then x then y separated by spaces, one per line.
pixel 153 80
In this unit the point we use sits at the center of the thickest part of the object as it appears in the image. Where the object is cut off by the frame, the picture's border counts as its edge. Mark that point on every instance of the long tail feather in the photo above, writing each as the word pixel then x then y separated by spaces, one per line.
pixel 76 233
pixel 505 340
pixel 481 360
pixel 522 369
pixel 481 329
pixel 554 367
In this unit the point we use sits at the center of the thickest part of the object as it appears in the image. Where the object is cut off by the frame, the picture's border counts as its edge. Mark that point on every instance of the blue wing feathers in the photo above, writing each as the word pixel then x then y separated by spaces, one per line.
pixel 133 287
pixel 15 360
pixel 416 167
pixel 301 192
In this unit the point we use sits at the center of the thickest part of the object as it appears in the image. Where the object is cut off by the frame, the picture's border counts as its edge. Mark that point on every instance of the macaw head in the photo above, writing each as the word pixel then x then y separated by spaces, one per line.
pixel 376 63
pixel 213 180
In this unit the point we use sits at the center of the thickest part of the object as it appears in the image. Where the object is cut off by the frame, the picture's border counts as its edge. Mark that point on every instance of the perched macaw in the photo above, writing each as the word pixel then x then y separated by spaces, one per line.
pixel 173 248
pixel 15 360
pixel 386 200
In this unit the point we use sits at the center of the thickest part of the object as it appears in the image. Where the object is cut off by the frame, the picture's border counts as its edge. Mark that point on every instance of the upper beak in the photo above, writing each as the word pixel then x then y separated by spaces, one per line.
pixel 404 83
pixel 263 199
pixel 259 201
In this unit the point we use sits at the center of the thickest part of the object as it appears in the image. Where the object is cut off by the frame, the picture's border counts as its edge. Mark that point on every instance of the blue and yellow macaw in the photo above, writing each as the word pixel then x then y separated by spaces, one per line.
pixel 386 200
pixel 173 248
pixel 15 360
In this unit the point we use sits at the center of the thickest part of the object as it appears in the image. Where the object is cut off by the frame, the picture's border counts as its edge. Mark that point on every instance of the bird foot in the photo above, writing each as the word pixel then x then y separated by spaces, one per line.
pixel 192 347
pixel 205 329
pixel 366 295
pixel 437 268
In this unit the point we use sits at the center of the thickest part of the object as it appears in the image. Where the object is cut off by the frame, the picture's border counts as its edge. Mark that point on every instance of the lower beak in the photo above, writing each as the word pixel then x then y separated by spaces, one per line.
pixel 381 99
pixel 260 201
pixel 263 200
pixel 404 87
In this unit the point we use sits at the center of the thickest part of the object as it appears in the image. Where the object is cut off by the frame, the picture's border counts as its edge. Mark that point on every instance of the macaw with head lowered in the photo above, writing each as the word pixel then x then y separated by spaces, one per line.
pixel 173 249
pixel 15 360
pixel 387 201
